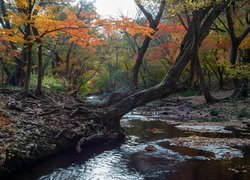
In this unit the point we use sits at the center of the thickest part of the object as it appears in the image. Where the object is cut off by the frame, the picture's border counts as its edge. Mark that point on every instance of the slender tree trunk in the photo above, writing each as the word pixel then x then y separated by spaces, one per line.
pixel 28 71
pixel 40 60
pixel 141 53
pixel 28 46
pixel 191 73
pixel 203 87
pixel 143 49
pixel 221 80
pixel 40 69
pixel 68 59
pixel 209 76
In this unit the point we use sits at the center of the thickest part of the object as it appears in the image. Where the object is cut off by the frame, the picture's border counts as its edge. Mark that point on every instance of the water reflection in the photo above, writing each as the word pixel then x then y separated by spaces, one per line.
pixel 108 165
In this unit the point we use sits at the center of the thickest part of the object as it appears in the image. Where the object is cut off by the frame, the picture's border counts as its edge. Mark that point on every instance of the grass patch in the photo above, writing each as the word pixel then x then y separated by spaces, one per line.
pixel 50 82
pixel 189 92
pixel 242 113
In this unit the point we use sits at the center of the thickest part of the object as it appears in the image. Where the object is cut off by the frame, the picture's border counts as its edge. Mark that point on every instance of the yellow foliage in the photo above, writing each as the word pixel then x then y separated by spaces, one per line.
pixel 245 43
pixel 190 5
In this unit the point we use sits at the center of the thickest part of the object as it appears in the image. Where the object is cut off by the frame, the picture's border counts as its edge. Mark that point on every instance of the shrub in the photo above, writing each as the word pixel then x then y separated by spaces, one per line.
pixel 242 113
pixel 214 112
pixel 50 82
pixel 189 92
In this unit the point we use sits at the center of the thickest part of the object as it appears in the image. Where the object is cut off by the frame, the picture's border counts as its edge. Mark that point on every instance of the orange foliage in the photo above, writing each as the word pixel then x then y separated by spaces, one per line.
pixel 46 21
pixel 169 36
pixel 216 40
pixel 124 25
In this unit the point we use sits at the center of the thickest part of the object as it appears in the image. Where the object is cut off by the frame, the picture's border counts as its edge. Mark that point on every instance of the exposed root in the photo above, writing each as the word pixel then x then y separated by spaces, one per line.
pixel 85 140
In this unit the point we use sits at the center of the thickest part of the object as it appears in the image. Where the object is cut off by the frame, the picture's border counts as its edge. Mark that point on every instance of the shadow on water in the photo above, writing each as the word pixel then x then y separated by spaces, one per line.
pixel 58 162
pixel 237 168
pixel 131 162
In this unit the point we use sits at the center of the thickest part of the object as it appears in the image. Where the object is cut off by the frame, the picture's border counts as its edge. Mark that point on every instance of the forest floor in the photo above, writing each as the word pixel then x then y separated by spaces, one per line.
pixel 35 128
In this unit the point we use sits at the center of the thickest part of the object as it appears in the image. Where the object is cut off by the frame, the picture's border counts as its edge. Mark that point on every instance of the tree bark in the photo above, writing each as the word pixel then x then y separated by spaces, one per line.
pixel 28 71
pixel 40 69
pixel 28 45
pixel 40 60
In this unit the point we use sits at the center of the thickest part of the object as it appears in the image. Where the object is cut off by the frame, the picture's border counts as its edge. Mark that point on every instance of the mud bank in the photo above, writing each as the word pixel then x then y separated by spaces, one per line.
pixel 35 128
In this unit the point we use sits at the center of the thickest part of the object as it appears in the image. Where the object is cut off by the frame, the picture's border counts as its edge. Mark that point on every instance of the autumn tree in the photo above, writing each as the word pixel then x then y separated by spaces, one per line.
pixel 236 40
pixel 33 22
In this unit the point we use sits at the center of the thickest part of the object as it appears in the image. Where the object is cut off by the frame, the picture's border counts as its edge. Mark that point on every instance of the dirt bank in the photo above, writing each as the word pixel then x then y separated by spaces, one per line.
pixel 34 128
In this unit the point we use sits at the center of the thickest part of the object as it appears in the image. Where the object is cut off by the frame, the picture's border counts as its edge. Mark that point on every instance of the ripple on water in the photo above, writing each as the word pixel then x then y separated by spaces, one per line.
pixel 129 162
pixel 109 165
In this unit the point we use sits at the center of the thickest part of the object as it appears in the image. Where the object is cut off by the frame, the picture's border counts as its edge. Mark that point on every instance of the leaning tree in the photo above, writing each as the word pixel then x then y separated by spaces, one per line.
pixel 203 14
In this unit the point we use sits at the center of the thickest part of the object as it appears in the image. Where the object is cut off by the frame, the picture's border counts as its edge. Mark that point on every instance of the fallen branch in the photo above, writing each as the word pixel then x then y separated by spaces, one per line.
pixel 49 112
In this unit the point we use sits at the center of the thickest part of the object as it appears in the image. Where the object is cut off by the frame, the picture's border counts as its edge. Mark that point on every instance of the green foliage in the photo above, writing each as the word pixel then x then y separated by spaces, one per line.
pixel 102 83
pixel 50 82
pixel 189 92
pixel 238 71
pixel 85 90
pixel 242 113
pixel 8 86
pixel 214 112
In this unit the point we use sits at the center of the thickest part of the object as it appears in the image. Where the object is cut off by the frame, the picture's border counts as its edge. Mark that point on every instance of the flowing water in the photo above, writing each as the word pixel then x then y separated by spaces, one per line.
pixel 130 161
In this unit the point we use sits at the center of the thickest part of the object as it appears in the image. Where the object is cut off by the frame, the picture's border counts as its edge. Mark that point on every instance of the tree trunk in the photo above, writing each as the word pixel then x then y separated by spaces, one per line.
pixel 203 87
pixel 141 53
pixel 235 43
pixel 153 23
pixel 28 46
pixel 40 69
pixel 220 75
pixel 28 71
pixel 209 75
pixel 68 59
pixel 40 60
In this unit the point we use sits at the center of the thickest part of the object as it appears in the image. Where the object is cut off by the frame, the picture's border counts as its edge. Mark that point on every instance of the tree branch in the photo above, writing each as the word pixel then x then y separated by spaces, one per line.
pixel 231 29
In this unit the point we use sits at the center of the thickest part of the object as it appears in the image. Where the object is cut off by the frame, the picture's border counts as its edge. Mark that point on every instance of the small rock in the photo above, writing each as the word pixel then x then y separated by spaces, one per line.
pixel 149 148
pixel 201 158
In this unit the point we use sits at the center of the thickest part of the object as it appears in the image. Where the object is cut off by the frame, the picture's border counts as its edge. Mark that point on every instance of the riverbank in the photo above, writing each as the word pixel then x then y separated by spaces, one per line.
pixel 195 108
pixel 34 128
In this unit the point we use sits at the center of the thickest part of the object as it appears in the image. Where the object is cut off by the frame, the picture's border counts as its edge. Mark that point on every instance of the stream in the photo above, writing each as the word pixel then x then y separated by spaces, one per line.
pixel 131 161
